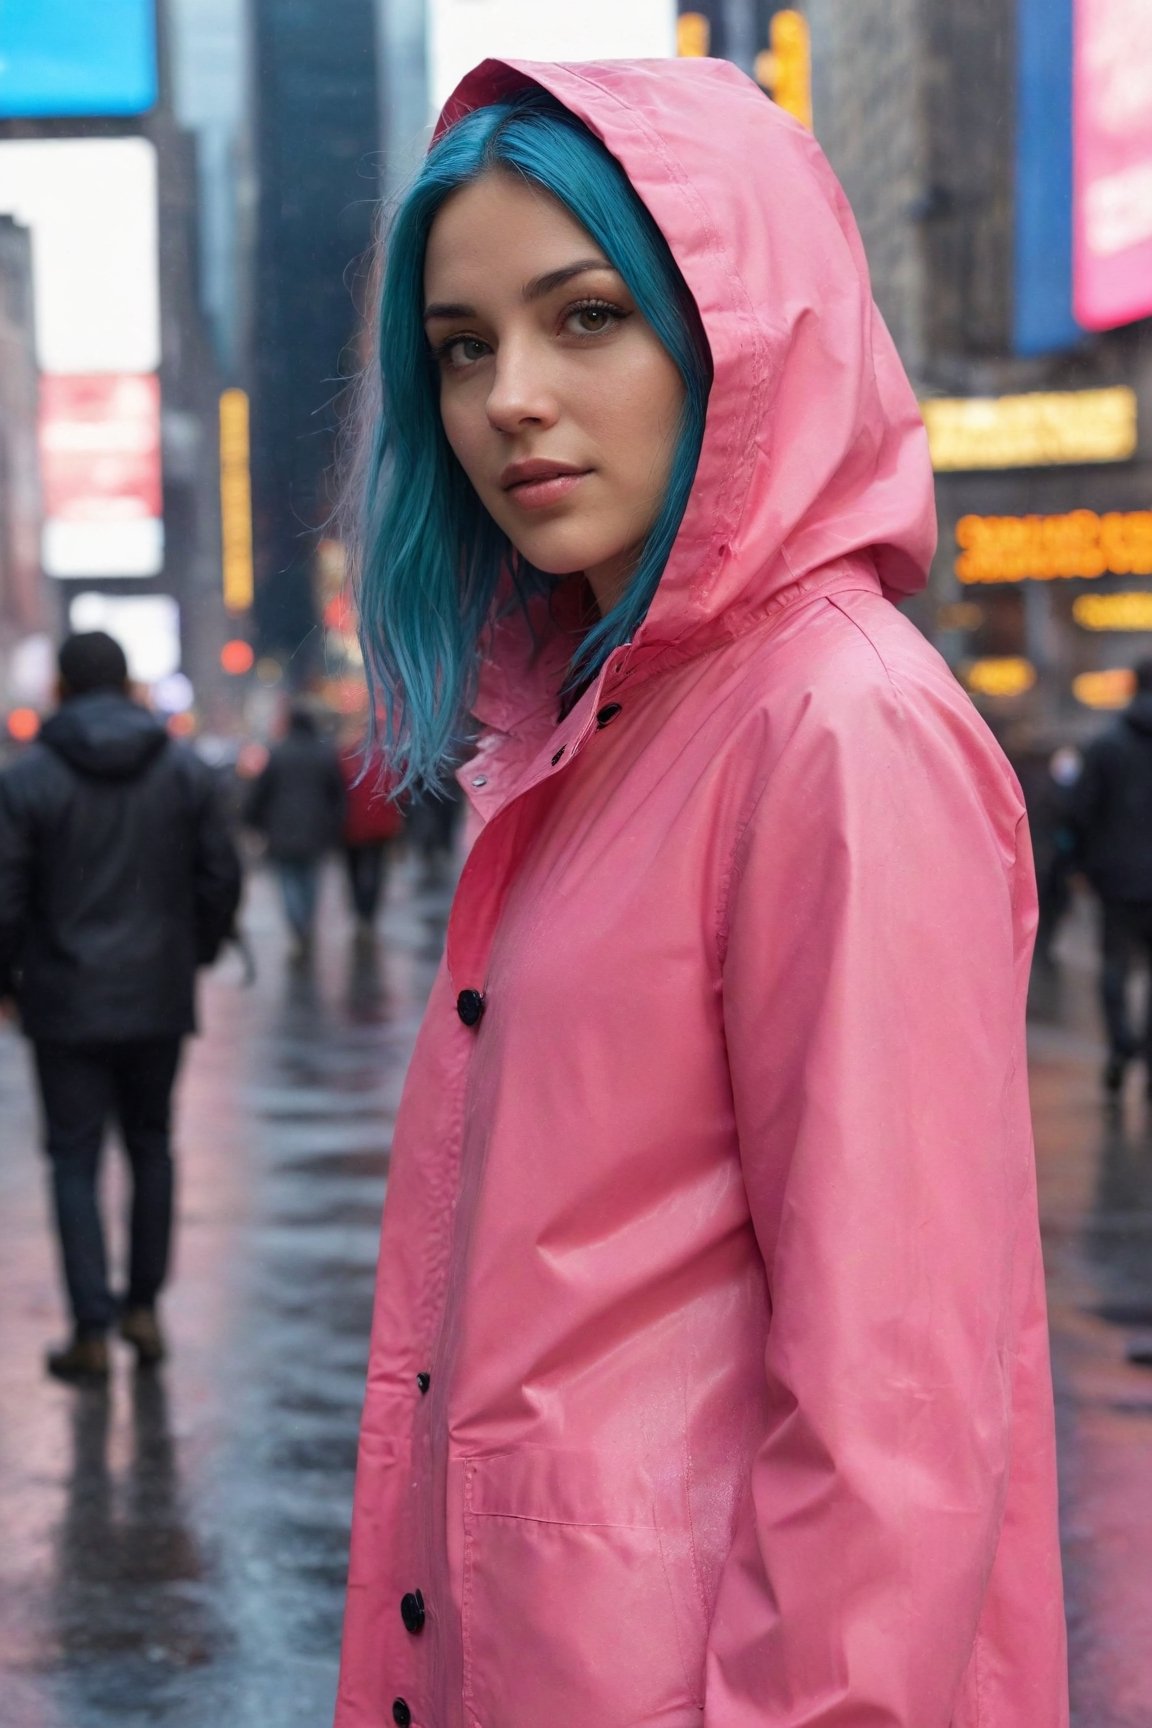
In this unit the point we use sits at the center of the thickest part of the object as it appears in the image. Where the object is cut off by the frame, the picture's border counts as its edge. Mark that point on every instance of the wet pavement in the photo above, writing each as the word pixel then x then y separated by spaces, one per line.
pixel 173 1552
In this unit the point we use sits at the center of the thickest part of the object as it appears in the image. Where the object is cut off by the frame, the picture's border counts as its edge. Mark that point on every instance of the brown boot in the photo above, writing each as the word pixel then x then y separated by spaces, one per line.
pixel 140 1328
pixel 84 1362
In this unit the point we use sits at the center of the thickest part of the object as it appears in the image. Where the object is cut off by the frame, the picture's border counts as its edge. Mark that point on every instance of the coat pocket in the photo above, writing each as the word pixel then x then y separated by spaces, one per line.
pixel 580 1603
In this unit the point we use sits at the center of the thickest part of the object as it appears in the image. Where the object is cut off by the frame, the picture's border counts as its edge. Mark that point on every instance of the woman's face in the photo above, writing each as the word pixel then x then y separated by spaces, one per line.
pixel 559 401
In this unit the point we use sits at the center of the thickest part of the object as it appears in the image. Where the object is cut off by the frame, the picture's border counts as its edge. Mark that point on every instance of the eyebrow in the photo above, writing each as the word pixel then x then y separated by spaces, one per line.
pixel 537 289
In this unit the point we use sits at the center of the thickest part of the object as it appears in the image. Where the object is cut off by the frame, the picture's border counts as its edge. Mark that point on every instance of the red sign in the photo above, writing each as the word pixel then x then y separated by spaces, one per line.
pixel 1112 142
pixel 100 466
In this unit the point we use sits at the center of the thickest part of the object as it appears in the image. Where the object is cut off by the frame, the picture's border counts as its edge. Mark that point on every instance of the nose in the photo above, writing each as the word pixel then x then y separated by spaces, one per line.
pixel 521 393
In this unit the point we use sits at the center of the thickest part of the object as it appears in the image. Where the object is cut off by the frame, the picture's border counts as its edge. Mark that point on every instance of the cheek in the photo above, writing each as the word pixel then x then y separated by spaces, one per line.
pixel 464 430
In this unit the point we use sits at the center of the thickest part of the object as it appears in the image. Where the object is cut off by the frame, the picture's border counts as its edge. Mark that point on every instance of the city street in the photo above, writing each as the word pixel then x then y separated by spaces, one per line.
pixel 174 1551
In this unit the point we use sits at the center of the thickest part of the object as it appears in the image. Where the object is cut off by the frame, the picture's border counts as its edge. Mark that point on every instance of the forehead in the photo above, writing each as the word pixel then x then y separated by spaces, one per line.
pixel 500 231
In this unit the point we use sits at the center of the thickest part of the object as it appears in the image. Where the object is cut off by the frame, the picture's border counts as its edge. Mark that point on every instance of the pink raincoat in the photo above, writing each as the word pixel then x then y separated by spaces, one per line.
pixel 709 1378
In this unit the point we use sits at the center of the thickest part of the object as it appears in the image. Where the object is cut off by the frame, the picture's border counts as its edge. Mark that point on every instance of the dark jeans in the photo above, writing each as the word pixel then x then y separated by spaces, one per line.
pixel 367 874
pixel 299 885
pixel 1125 935
pixel 82 1086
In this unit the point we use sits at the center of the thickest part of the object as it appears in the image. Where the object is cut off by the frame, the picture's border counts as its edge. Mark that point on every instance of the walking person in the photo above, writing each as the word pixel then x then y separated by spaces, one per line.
pixel 372 824
pixel 297 804
pixel 709 1377
pixel 1111 808
pixel 118 878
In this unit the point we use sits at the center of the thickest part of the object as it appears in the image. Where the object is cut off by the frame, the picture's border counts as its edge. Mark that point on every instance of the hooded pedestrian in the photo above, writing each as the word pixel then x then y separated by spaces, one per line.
pixel 297 803
pixel 709 1376
pixel 118 878
pixel 1111 805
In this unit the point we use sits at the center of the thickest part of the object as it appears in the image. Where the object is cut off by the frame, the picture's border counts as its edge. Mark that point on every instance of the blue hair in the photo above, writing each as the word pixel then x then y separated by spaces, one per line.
pixel 430 556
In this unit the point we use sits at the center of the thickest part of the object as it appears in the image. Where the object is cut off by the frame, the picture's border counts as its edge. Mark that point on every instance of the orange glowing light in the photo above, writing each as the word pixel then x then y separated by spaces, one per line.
pixel 237 657
pixel 23 725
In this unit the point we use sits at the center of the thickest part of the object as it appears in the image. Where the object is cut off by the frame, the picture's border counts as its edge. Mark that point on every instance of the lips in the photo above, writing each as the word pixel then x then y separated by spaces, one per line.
pixel 539 484
pixel 531 473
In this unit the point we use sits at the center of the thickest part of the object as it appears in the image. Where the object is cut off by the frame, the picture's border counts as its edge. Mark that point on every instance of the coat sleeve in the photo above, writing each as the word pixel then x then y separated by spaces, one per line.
pixel 872 994
pixel 216 872
pixel 16 870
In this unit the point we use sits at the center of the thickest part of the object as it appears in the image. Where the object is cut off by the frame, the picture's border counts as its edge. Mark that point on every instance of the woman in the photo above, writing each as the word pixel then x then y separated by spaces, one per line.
pixel 709 1375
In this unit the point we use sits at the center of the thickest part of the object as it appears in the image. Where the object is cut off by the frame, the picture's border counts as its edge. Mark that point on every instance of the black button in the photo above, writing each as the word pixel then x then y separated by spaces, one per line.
pixel 558 755
pixel 412 1610
pixel 423 1381
pixel 470 1006
pixel 607 714
pixel 401 1714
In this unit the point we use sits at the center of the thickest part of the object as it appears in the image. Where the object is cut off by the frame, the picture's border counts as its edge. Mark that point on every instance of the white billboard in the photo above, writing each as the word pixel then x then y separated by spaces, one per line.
pixel 463 32
pixel 91 206
pixel 147 627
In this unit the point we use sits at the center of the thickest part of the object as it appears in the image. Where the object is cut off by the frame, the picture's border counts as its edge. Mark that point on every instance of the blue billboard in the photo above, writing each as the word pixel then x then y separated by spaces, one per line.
pixel 1043 321
pixel 60 58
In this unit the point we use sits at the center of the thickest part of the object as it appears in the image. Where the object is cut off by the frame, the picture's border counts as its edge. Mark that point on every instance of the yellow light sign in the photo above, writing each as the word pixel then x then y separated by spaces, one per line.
pixel 784 69
pixel 1002 676
pixel 1032 431
pixel 1111 689
pixel 235 501
pixel 1042 548
pixel 1131 611
pixel 693 35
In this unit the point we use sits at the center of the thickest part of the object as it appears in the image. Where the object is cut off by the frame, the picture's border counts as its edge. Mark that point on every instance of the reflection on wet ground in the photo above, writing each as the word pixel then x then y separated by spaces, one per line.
pixel 174 1550
pixel 1095 1163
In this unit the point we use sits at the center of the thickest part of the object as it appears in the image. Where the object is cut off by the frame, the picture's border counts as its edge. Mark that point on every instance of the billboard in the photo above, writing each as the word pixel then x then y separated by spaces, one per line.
pixel 100 472
pixel 1112 162
pixel 91 205
pixel 1042 315
pixel 147 627
pixel 64 57
pixel 463 32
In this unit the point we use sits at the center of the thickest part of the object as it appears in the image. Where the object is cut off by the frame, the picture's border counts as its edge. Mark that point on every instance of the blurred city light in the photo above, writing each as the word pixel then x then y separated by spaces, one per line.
pixel 1031 431
pixel 235 501
pixel 236 657
pixel 23 724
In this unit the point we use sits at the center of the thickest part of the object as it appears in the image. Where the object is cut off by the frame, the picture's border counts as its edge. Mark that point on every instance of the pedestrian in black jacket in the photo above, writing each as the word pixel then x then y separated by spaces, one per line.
pixel 1111 813
pixel 118 877
pixel 297 803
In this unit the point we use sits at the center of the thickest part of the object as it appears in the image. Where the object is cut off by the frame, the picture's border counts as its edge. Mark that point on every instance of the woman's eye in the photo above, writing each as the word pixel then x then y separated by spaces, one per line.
pixel 593 317
pixel 461 351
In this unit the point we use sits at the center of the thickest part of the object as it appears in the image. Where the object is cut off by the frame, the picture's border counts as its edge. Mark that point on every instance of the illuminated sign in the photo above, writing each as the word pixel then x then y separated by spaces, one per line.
pixel 63 57
pixel 1041 548
pixel 91 204
pixel 147 627
pixel 785 68
pixel 1112 164
pixel 1130 611
pixel 100 469
pixel 1031 431
pixel 461 33
pixel 693 35
pixel 1111 689
pixel 235 501
pixel 1003 675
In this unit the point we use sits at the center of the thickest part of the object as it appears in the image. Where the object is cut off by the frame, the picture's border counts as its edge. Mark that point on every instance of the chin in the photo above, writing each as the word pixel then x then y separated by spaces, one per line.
pixel 561 554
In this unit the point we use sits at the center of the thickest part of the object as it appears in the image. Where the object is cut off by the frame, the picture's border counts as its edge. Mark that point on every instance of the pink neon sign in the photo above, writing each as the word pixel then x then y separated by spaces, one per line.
pixel 1112 134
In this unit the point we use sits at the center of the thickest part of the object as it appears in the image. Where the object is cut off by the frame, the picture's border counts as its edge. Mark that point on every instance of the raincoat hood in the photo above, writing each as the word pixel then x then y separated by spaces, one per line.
pixel 105 734
pixel 814 447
